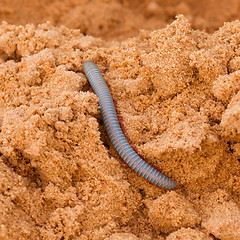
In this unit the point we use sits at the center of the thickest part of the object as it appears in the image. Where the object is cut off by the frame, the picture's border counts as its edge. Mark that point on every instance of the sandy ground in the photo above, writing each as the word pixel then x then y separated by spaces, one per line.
pixel 176 85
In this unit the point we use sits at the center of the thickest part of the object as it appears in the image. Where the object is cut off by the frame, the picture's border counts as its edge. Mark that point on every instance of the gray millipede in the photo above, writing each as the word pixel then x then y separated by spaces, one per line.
pixel 126 152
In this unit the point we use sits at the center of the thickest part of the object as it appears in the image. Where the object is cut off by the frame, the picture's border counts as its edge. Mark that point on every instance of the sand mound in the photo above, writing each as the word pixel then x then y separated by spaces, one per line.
pixel 177 90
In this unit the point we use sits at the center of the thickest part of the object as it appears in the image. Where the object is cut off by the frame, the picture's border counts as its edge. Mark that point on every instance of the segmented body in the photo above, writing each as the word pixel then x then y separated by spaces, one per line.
pixel 115 132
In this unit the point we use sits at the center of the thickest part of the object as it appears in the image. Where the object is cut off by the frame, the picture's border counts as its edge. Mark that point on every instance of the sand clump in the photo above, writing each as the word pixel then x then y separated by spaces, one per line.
pixel 188 234
pixel 172 211
pixel 224 221
pixel 60 177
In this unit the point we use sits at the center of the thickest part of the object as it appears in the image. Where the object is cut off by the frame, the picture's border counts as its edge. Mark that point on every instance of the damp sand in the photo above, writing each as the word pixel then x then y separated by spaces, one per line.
pixel 177 91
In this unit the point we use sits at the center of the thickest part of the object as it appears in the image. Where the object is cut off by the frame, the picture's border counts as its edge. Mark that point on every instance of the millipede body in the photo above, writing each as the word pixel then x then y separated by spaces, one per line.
pixel 115 133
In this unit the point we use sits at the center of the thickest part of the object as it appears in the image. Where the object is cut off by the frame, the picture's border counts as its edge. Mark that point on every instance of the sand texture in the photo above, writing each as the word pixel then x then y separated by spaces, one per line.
pixel 177 91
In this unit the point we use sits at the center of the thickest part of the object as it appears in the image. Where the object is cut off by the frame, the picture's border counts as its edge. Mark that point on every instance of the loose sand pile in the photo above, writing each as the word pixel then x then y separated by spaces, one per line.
pixel 177 90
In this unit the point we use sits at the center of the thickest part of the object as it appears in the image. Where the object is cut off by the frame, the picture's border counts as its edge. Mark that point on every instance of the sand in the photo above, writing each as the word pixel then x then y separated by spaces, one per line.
pixel 176 87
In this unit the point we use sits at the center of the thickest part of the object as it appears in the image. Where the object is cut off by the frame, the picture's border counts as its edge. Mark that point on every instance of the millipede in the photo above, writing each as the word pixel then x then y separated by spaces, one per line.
pixel 115 133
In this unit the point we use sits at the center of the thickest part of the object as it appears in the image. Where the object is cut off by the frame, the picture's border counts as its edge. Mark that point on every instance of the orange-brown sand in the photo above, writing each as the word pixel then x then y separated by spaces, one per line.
pixel 177 88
